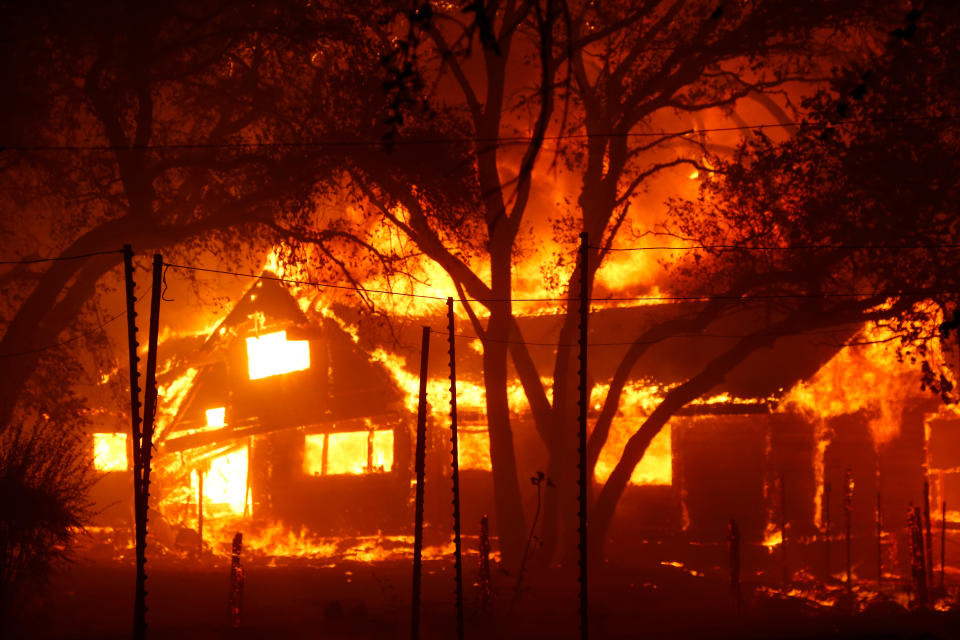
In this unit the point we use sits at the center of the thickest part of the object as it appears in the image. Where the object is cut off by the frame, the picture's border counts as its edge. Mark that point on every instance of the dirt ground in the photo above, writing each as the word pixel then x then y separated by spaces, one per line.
pixel 296 598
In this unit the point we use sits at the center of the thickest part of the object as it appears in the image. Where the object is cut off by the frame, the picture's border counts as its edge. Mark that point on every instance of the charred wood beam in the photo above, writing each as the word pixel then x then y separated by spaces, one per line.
pixel 227 434
pixel 727 409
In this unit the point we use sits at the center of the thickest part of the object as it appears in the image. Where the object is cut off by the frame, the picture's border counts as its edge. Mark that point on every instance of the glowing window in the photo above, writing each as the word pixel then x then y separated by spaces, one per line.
pixel 382 453
pixel 473 450
pixel 110 451
pixel 313 454
pixel 348 453
pixel 272 354
pixel 656 466
pixel 216 417
pixel 225 483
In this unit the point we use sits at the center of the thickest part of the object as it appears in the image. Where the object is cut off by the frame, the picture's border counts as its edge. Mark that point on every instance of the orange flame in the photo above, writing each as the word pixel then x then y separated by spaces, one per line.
pixel 110 451
pixel 272 354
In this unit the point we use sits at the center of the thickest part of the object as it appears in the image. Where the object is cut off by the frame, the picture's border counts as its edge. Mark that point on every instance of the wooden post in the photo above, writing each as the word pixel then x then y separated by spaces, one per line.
pixel 145 448
pixel 582 435
pixel 455 470
pixel 483 565
pixel 928 535
pixel 917 557
pixel 783 530
pixel 419 462
pixel 200 474
pixel 879 542
pixel 847 508
pixel 943 544
pixel 826 530
pixel 247 506
pixel 733 538
pixel 236 581
pixel 139 604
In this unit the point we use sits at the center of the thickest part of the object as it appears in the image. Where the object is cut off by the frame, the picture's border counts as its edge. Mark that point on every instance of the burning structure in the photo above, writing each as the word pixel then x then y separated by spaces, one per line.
pixel 282 422
pixel 275 418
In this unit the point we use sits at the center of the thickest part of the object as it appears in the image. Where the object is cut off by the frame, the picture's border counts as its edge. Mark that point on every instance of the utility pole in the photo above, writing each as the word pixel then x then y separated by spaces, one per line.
pixel 139 605
pixel 582 462
pixel 455 469
pixel 143 451
pixel 419 462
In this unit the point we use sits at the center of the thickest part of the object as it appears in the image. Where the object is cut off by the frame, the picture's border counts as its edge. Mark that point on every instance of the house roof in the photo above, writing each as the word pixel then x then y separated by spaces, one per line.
pixel 764 374
pixel 341 385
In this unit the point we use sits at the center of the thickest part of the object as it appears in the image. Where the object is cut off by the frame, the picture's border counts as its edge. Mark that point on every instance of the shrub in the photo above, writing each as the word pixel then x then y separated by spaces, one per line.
pixel 45 476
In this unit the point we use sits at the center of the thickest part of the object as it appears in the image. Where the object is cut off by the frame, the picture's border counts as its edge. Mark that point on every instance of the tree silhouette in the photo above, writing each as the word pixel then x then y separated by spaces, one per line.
pixel 160 127
pixel 602 99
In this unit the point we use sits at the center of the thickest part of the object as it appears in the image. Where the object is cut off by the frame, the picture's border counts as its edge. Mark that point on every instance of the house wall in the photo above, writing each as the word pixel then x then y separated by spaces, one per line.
pixel 721 474
pixel 326 505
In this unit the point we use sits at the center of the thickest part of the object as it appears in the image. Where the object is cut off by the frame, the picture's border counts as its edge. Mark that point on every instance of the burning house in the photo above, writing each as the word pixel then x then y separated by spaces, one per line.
pixel 277 418
pixel 282 419
pixel 795 444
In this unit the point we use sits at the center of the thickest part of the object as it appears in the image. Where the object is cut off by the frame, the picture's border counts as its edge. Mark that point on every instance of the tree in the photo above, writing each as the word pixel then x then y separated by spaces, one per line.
pixel 613 87
pixel 181 128
pixel 872 236
pixel 174 127
pixel 454 127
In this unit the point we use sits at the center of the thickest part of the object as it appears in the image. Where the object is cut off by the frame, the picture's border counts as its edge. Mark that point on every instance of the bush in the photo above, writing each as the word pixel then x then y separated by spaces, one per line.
pixel 45 476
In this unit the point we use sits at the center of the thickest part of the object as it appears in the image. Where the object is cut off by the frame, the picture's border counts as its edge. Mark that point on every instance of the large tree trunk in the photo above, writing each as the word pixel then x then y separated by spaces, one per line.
pixel 559 530
pixel 712 375
pixel 511 523
pixel 52 307
pixel 56 301
pixel 561 502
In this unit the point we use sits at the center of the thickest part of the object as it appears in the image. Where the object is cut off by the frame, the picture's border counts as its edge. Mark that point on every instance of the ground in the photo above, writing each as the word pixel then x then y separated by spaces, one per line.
pixel 300 598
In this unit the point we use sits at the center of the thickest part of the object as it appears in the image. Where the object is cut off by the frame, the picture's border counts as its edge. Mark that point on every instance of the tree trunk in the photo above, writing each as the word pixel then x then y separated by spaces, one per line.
pixel 49 309
pixel 511 523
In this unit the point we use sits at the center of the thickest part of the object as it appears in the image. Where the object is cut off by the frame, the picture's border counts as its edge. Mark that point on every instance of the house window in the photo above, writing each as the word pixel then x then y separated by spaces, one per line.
pixel 272 354
pixel 473 449
pixel 381 452
pixel 656 466
pixel 348 453
pixel 110 451
pixel 216 417
pixel 224 483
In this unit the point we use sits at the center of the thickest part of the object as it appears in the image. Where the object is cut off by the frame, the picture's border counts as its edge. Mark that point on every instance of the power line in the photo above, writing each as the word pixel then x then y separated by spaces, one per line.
pixel 676 298
pixel 799 247
pixel 467 336
pixel 325 285
pixel 61 258
pixel 189 146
